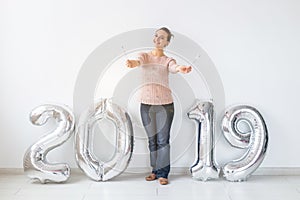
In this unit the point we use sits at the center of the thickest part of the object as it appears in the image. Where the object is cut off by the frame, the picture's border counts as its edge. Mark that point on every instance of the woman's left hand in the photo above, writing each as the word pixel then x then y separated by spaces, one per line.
pixel 184 69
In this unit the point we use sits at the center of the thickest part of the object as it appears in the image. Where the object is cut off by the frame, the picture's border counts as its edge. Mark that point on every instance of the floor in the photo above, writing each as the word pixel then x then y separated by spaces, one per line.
pixel 133 186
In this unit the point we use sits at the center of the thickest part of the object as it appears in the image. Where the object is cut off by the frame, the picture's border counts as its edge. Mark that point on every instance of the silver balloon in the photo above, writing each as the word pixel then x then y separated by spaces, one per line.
pixel 35 163
pixel 255 140
pixel 204 167
pixel 86 160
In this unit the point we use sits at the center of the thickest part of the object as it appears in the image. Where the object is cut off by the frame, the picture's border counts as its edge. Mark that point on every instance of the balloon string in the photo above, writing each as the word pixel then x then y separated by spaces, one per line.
pixel 196 58
pixel 124 51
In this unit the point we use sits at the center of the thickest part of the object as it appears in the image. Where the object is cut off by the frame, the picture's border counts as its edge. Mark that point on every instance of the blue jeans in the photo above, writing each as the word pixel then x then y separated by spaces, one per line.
pixel 157 121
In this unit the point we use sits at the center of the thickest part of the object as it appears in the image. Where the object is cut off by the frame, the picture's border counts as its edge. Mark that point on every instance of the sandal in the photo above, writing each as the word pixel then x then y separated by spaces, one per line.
pixel 151 177
pixel 163 181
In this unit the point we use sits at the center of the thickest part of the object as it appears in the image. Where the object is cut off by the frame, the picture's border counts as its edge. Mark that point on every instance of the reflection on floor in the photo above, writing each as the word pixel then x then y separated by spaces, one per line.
pixel 133 187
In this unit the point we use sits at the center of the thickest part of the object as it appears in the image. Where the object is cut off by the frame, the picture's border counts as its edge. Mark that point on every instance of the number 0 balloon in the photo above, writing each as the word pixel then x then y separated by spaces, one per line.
pixel 86 160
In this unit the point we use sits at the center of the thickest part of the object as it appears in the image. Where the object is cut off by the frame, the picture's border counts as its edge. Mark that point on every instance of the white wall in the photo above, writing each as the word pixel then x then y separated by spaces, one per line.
pixel 253 44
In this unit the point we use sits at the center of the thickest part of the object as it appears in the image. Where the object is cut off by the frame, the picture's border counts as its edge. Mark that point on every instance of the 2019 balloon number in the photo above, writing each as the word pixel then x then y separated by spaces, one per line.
pixel 36 166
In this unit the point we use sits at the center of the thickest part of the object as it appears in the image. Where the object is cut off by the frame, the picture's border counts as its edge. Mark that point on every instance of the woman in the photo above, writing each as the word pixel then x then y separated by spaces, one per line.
pixel 157 108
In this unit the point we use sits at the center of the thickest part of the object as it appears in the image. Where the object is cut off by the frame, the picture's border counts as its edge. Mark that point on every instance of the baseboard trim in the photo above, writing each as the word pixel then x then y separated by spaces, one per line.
pixel 278 171
pixel 265 171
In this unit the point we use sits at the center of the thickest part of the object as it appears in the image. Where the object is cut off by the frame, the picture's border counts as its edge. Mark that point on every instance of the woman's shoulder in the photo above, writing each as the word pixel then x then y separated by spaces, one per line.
pixel 168 58
pixel 144 54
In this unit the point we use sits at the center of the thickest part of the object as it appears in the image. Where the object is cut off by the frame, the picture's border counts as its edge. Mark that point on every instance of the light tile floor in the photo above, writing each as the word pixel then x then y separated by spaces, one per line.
pixel 133 187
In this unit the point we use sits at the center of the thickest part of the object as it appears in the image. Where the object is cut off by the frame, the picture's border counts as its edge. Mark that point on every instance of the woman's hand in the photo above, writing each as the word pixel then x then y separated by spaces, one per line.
pixel 184 69
pixel 132 63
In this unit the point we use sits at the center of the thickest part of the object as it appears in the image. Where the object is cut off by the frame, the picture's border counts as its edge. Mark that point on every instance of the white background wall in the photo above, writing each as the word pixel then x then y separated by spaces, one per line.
pixel 253 44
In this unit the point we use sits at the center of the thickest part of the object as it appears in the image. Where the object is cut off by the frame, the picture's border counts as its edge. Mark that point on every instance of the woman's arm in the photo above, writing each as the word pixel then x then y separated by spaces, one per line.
pixel 174 68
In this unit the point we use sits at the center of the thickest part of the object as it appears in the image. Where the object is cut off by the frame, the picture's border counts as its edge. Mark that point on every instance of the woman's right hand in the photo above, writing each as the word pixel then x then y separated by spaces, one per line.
pixel 132 63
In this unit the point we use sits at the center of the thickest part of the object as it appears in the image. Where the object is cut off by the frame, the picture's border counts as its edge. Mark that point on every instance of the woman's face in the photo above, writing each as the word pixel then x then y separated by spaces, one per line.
pixel 160 39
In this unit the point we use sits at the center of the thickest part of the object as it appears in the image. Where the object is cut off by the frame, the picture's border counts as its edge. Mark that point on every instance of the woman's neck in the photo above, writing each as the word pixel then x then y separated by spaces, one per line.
pixel 157 52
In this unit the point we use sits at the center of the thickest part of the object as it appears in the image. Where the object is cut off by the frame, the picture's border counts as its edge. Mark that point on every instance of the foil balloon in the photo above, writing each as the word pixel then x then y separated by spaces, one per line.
pixel 35 162
pixel 204 167
pixel 254 139
pixel 88 162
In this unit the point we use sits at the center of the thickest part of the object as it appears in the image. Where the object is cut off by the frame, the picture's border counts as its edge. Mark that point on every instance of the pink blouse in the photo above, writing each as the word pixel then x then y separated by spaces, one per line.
pixel 155 79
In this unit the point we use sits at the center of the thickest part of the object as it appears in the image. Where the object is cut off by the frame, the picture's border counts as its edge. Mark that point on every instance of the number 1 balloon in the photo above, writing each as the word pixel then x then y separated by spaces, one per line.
pixel 255 141
pixel 35 162
pixel 204 168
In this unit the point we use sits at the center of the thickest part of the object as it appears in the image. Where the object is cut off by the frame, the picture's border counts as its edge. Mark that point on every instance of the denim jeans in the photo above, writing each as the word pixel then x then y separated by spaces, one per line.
pixel 157 121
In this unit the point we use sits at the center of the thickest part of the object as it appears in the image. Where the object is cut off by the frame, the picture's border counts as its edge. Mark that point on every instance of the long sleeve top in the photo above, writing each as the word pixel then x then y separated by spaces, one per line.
pixel 155 79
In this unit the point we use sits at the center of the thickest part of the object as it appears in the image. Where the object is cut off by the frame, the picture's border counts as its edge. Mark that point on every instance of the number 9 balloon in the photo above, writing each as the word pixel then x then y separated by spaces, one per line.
pixel 35 162
pixel 256 142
